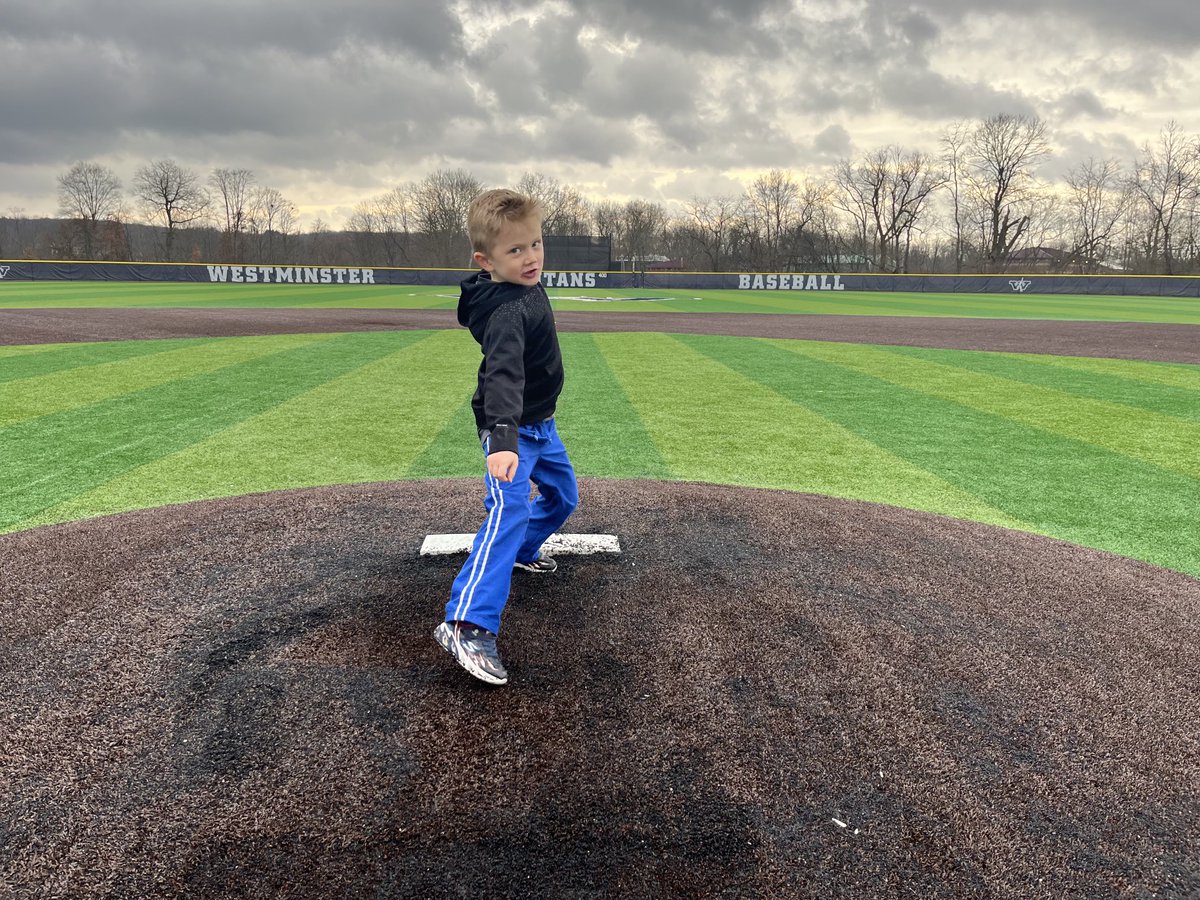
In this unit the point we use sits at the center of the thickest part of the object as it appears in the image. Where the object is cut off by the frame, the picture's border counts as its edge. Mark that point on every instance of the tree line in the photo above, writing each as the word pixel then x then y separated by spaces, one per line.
pixel 978 204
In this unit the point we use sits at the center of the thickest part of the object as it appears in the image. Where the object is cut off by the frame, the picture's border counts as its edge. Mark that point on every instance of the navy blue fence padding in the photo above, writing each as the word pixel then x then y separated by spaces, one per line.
pixel 211 273
pixel 1029 283
pixel 1124 285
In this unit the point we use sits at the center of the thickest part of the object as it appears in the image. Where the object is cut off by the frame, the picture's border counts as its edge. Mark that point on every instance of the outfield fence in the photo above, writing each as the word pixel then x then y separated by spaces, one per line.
pixel 208 273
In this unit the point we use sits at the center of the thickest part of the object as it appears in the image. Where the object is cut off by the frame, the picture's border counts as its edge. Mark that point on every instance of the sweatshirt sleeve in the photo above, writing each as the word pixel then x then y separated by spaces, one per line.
pixel 504 375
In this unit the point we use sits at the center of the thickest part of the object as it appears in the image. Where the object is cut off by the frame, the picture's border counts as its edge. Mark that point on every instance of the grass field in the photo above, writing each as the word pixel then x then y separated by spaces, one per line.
pixel 1095 451
pixel 1186 310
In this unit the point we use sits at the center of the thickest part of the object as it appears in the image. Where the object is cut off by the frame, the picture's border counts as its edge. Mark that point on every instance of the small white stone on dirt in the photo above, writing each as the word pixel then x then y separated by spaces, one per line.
pixel 583 544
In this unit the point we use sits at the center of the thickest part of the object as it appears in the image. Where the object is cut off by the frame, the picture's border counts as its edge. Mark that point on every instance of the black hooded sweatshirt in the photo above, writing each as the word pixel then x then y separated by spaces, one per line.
pixel 521 374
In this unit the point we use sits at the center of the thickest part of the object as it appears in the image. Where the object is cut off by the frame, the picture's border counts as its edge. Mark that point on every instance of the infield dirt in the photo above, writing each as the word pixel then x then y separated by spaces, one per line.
pixel 765 695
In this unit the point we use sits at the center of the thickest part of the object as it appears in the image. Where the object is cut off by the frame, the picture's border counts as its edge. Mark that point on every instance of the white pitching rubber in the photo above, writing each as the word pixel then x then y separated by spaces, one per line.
pixel 582 544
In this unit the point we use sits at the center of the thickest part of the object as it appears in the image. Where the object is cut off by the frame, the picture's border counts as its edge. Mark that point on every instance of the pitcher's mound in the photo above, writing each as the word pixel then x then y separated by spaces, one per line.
pixel 765 694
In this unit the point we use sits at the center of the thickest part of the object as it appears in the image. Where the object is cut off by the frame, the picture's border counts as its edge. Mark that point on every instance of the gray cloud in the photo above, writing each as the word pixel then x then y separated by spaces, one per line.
pixel 833 142
pixel 930 95
pixel 1081 102
pixel 334 101
pixel 583 138
pixel 426 29
pixel 1173 23
pixel 718 27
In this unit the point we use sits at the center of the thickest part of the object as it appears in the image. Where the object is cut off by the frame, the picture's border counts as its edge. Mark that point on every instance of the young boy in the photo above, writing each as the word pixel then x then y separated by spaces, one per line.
pixel 520 378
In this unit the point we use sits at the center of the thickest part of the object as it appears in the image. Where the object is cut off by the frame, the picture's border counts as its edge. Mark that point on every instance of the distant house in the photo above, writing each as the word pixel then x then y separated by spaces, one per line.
pixel 653 263
pixel 1039 259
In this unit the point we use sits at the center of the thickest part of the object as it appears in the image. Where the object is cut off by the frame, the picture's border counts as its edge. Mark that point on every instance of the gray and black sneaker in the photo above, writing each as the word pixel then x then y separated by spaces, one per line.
pixel 475 650
pixel 543 564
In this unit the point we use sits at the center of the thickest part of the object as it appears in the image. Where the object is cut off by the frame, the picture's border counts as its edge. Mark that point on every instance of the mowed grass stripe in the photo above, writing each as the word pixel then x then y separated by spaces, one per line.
pixel 1111 386
pixel 1060 487
pixel 1179 375
pixel 713 421
pixel 1150 437
pixel 55 457
pixel 602 432
pixel 63 357
pixel 97 294
pixel 10 351
pixel 600 426
pixel 27 398
pixel 453 451
pixel 365 425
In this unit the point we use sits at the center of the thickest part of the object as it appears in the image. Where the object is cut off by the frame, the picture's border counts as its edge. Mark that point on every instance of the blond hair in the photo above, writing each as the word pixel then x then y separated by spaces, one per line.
pixel 492 210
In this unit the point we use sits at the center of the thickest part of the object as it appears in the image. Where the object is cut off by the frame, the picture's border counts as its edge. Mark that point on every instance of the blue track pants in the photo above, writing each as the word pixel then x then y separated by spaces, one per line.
pixel 515 528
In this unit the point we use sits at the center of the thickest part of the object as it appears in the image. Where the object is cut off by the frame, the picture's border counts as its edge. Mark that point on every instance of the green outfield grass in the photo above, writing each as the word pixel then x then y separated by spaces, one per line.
pixel 19 295
pixel 1095 451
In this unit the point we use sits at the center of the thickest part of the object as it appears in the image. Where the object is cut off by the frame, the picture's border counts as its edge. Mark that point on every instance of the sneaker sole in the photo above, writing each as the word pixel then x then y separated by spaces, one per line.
pixel 442 636
pixel 534 569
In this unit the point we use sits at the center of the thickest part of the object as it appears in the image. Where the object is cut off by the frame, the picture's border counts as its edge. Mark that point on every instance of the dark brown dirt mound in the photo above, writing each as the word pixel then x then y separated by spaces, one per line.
pixel 1166 342
pixel 766 695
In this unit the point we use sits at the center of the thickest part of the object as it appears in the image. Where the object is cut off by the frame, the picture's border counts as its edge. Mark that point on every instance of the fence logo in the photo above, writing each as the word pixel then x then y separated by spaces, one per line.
pixel 571 279
pixel 1021 285
pixel 290 275
pixel 3 271
pixel 790 283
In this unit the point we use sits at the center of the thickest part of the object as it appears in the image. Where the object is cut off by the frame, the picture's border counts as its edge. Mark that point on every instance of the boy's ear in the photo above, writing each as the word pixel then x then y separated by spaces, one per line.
pixel 482 261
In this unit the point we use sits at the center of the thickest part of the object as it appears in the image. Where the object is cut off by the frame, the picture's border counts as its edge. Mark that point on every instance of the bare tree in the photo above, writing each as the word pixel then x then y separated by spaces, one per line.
pixel 954 158
pixel 565 212
pixel 1005 149
pixel 440 204
pixel 712 222
pixel 18 235
pixel 771 206
pixel 778 213
pixel 1167 180
pixel 272 220
pixel 320 243
pixel 823 237
pixel 170 195
pixel 643 226
pixel 382 227
pixel 396 212
pixel 232 187
pixel 89 193
pixel 608 221
pixel 809 241
pixel 1187 230
pixel 886 193
pixel 364 228
pixel 915 179
pixel 1097 200
pixel 606 218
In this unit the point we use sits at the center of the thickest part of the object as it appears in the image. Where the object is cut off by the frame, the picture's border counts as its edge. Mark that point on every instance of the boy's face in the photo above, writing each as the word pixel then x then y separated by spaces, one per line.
pixel 517 254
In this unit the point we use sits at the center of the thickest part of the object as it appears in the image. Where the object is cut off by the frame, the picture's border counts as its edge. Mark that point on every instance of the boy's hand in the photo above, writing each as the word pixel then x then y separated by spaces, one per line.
pixel 502 465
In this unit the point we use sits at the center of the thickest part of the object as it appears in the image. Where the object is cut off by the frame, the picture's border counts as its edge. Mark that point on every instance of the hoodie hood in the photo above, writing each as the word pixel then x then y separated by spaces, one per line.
pixel 479 298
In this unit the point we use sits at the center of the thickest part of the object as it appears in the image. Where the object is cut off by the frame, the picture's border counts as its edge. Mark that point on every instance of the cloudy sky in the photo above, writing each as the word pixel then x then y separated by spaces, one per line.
pixel 336 102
